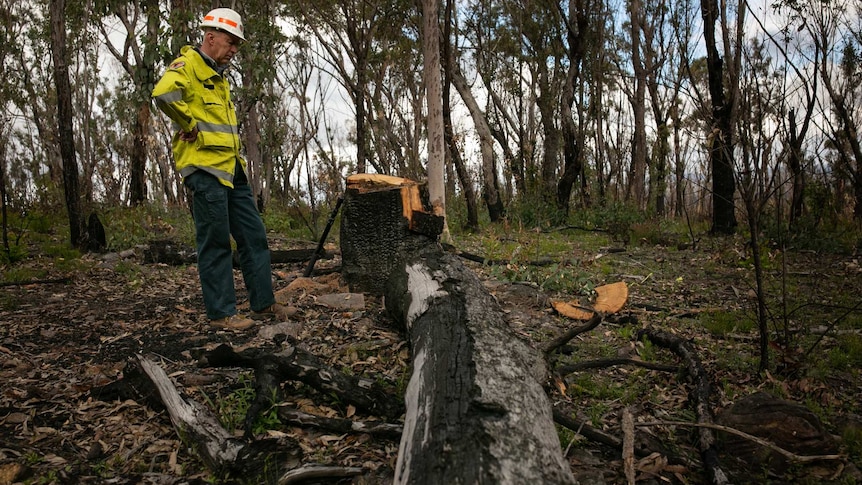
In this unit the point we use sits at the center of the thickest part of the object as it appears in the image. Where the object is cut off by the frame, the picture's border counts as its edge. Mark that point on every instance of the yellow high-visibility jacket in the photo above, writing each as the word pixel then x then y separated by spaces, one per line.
pixel 194 95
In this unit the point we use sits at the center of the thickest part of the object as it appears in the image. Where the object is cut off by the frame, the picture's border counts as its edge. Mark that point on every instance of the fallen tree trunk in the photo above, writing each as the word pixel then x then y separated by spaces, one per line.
pixel 476 409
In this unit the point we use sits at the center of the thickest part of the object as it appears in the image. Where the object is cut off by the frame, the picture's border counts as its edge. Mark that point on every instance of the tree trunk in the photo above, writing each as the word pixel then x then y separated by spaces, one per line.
pixel 472 223
pixel 64 119
pixel 476 411
pixel 379 216
pixel 434 104
pixel 490 181
pixel 476 408
pixel 721 137
pixel 638 102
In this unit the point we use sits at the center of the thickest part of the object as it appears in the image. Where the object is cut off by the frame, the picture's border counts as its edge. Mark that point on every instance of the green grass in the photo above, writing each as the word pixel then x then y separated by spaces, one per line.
pixel 232 408
pixel 724 323
pixel 126 227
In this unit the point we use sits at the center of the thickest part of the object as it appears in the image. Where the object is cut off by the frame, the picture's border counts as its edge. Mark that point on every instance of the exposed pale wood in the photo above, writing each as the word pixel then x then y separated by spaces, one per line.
pixel 410 198
pixel 609 300
pixel 224 454
pixel 628 428
pixel 316 473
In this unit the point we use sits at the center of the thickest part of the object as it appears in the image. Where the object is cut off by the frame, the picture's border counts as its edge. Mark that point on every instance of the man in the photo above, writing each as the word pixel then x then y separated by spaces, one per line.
pixel 194 93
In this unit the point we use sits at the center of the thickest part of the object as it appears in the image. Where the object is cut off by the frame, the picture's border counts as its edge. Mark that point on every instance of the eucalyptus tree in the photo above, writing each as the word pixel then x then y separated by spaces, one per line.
pixel 637 98
pixel 354 34
pixel 434 106
pixel 835 32
pixel 396 96
pixel 454 76
pixel 60 58
pixel 37 128
pixel 138 55
pixel 585 23
pixel 10 28
pixel 542 37
pixel 501 67
pixel 256 99
pixel 723 68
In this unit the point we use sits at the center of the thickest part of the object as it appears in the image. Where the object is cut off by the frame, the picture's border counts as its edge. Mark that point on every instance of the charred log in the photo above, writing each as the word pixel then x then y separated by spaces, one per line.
pixel 261 461
pixel 476 411
pixel 702 386
pixel 293 363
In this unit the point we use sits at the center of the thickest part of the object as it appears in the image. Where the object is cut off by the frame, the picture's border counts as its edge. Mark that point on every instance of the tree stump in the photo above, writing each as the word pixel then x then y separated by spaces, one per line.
pixel 383 218
pixel 476 408
pixel 786 424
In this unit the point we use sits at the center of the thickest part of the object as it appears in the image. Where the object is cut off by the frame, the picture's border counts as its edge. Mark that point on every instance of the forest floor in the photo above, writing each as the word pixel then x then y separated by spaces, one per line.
pixel 76 328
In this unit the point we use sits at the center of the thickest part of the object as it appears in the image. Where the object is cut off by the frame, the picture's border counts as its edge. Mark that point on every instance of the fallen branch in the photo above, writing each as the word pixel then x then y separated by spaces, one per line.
pixel 53 281
pixel 307 474
pixel 700 397
pixel 298 418
pixel 762 442
pixel 572 333
pixel 293 363
pixel 604 363
pixel 220 451
pixel 607 439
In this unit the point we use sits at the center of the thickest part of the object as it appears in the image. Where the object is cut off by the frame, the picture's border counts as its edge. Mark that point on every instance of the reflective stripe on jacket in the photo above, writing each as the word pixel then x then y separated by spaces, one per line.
pixel 194 95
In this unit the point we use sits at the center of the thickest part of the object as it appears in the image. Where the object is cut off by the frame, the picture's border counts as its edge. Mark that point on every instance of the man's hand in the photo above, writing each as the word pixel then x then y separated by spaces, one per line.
pixel 189 135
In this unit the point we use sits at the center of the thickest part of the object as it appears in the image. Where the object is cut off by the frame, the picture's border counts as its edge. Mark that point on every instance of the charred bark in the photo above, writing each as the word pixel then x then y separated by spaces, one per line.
pixel 699 396
pixel 476 409
pixel 293 363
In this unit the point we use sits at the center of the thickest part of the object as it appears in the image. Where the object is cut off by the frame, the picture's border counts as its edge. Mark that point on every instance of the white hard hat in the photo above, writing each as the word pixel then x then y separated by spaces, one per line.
pixel 224 19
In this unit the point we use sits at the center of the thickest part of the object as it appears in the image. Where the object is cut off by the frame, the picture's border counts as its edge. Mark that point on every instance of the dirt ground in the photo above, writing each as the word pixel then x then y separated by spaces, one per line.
pixel 73 332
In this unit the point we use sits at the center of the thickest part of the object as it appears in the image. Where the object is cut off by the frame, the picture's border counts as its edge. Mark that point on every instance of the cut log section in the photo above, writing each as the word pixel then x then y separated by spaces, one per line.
pixel 476 409
pixel 383 218
pixel 609 300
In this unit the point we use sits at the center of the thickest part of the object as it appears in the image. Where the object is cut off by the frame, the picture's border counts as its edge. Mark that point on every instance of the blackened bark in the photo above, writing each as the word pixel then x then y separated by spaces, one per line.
pixel 702 387
pixel 476 409
pixel 721 138
pixel 64 119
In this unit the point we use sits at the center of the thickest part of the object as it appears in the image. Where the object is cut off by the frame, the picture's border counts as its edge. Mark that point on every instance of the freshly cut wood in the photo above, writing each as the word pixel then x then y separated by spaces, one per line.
pixel 476 409
pixel 609 300
pixel 383 218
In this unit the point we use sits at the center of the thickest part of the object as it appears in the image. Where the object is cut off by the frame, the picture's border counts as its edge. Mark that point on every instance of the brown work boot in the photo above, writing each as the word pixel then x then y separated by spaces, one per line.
pixel 233 322
pixel 277 311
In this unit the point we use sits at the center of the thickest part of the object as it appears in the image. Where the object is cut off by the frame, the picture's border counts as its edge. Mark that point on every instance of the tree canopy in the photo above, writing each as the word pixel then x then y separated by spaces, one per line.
pixel 557 106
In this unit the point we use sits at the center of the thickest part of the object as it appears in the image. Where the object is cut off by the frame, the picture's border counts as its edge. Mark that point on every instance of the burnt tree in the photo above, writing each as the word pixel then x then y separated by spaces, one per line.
pixel 476 411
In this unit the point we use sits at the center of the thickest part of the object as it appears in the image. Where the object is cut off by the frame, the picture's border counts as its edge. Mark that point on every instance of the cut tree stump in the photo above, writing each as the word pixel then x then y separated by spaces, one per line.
pixel 383 218
pixel 476 408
